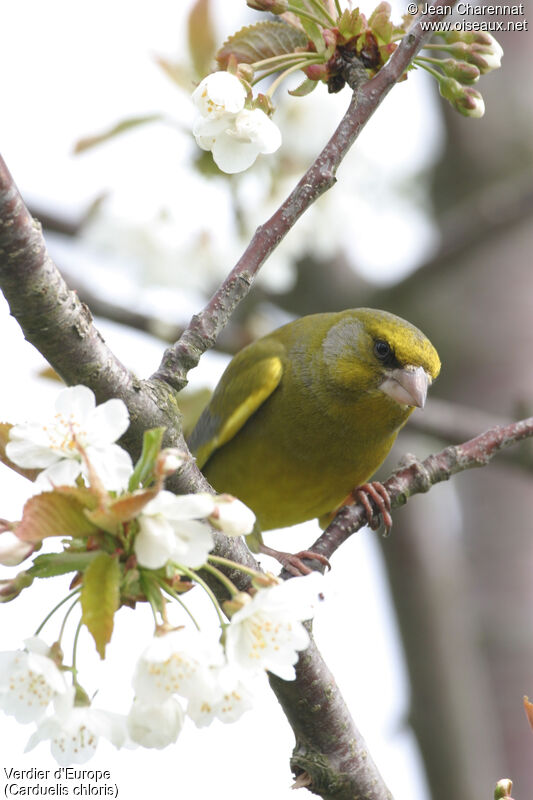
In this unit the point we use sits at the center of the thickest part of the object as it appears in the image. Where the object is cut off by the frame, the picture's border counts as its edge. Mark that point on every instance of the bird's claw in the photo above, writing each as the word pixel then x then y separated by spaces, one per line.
pixel 377 492
pixel 293 562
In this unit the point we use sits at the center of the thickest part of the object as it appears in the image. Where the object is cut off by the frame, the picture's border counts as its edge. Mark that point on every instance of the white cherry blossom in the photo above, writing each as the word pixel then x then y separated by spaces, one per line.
pixel 155 725
pixel 78 422
pixel 218 95
pixel 29 681
pixel 170 528
pixel 222 694
pixel 236 141
pixel 232 516
pixel 267 632
pixel 74 731
pixel 175 663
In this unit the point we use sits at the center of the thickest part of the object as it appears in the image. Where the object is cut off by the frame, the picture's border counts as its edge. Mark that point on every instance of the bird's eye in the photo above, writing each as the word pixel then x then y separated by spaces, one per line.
pixel 382 350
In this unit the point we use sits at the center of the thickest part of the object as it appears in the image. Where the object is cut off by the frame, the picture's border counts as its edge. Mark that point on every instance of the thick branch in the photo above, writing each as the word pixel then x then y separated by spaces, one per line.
pixel 204 327
pixel 330 756
pixel 415 477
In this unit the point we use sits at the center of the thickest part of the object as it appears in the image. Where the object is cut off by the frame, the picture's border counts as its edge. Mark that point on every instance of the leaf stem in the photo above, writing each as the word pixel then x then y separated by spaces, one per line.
pixel 200 581
pixel 224 580
pixel 175 596
pixel 62 629
pixel 300 13
pixel 429 69
pixel 55 608
pixel 274 85
pixel 289 57
pixel 321 10
pixel 293 66
pixel 74 652
pixel 226 562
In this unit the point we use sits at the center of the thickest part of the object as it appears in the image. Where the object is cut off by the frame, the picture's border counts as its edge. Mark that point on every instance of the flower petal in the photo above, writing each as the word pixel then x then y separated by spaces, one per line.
pixel 154 544
pixel 255 126
pixel 77 402
pixel 219 94
pixel 231 155
pixel 108 422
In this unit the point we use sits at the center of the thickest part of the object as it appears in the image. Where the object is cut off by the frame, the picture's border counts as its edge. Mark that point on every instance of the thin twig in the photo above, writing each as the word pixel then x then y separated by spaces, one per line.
pixel 415 477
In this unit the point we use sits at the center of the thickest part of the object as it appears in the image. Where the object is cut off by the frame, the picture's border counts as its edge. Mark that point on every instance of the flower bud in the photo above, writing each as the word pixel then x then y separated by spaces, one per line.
pixel 468 102
pixel 264 103
pixel 237 602
pixel 13 550
pixel 486 58
pixel 274 6
pixel 9 589
pixel 469 37
pixel 462 71
pixel 245 72
pixel 485 53
pixel 168 461
pixel 503 789
pixel 231 516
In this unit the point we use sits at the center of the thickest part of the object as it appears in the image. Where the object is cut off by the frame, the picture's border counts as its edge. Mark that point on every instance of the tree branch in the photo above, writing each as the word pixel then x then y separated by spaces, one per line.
pixel 204 327
pixel 454 422
pixel 416 477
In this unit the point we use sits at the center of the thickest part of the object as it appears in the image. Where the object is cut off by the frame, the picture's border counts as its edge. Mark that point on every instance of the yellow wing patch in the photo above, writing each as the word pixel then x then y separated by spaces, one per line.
pixel 269 372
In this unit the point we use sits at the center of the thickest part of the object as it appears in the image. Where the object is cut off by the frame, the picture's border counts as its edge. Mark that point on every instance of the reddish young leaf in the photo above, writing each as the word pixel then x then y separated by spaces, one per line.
pixel 57 513
pixel 264 40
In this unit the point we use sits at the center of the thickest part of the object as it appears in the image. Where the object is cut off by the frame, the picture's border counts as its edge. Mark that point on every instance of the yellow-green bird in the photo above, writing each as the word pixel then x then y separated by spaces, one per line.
pixel 305 415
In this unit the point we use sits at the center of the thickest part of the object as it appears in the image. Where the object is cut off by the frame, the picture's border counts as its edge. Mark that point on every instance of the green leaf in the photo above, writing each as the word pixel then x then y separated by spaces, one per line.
pixel 312 29
pixel 143 474
pixel 121 127
pixel 51 564
pixel 380 22
pixel 202 38
pixel 57 513
pixel 260 41
pixel 31 474
pixel 100 598
pixel 306 87
pixel 351 24
pixel 151 590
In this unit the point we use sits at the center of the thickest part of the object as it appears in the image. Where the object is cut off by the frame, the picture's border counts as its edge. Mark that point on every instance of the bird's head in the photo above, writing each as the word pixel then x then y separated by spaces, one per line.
pixel 375 352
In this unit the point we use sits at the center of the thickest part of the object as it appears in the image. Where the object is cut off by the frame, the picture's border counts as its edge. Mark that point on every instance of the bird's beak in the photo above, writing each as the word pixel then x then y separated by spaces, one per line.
pixel 408 386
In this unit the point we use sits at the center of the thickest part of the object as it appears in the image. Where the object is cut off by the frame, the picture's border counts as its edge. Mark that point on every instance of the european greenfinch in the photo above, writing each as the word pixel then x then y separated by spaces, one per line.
pixel 305 415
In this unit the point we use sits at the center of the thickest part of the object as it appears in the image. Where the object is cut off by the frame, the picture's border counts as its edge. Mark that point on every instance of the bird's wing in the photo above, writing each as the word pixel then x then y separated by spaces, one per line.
pixel 251 377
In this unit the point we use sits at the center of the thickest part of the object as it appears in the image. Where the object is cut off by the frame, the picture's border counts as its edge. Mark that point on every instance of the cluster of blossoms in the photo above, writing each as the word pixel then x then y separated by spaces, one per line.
pixel 129 540
pixel 234 134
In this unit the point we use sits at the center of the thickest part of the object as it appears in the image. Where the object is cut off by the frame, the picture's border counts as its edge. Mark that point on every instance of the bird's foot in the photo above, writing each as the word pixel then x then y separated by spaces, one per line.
pixel 374 491
pixel 293 562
